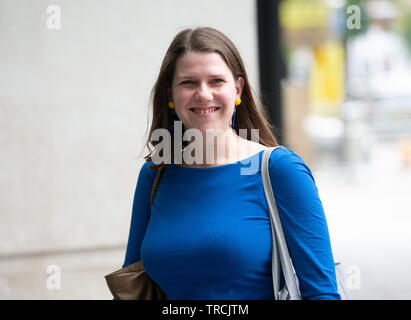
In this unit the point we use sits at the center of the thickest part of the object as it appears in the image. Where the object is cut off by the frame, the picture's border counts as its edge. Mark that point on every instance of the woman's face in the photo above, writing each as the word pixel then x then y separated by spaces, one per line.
pixel 203 82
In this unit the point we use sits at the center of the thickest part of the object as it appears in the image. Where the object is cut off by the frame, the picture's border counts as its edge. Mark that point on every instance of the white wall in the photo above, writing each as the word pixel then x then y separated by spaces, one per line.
pixel 73 110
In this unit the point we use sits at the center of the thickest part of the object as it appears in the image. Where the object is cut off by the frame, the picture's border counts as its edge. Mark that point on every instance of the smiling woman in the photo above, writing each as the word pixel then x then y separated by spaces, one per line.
pixel 207 234
pixel 206 101
pixel 204 77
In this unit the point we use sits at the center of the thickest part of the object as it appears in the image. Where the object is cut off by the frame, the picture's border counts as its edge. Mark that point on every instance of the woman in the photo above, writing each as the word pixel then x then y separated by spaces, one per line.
pixel 208 235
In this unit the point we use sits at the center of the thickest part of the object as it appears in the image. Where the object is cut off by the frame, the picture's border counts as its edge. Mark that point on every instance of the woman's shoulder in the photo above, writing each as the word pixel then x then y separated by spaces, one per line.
pixel 290 176
pixel 285 162
pixel 282 153
pixel 281 158
pixel 146 172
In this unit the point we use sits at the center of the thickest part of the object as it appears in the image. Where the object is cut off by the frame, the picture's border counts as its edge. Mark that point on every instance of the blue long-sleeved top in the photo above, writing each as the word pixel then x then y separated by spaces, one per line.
pixel 209 233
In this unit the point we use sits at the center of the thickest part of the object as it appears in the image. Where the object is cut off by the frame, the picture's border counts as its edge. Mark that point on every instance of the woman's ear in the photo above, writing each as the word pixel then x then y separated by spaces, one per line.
pixel 239 85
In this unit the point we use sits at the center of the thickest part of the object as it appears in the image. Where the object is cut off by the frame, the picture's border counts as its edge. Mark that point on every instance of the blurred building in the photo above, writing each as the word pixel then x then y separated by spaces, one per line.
pixel 353 86
pixel 315 88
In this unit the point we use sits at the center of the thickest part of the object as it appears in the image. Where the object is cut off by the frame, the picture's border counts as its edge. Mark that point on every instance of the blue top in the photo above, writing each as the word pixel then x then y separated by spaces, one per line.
pixel 209 234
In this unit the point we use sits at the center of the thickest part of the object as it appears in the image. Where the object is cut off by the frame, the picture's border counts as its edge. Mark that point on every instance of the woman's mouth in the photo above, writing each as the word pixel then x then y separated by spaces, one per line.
pixel 205 111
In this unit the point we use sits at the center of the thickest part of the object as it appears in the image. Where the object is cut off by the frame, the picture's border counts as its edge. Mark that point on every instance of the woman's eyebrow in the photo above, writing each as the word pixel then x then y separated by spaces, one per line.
pixel 184 77
pixel 192 77
pixel 217 76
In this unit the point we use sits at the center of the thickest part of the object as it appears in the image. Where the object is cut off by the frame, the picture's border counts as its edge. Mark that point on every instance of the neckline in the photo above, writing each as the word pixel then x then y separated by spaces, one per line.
pixel 244 161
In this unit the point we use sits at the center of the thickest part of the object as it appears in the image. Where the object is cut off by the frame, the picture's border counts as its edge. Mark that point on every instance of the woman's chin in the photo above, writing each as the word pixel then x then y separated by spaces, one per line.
pixel 203 128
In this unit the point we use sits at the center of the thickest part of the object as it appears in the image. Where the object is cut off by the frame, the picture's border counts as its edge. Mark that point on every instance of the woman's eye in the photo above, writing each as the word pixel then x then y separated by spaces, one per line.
pixel 192 82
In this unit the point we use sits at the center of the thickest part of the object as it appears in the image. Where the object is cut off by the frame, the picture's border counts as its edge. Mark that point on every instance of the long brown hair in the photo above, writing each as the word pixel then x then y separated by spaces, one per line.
pixel 249 115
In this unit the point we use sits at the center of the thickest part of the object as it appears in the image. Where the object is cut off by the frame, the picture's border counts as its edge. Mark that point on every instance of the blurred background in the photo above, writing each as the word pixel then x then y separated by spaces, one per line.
pixel 75 82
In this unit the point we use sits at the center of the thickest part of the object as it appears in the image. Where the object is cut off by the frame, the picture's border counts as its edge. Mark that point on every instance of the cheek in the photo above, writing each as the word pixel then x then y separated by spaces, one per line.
pixel 227 96
pixel 181 97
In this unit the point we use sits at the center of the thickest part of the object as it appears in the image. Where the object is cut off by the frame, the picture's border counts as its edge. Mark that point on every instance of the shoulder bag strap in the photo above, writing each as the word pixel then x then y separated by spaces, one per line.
pixel 280 255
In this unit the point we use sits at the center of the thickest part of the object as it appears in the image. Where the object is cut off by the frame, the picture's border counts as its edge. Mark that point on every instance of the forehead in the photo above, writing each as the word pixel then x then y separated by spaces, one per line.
pixel 198 63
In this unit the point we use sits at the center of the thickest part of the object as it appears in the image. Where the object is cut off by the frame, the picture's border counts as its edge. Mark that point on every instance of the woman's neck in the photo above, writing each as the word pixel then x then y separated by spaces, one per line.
pixel 219 147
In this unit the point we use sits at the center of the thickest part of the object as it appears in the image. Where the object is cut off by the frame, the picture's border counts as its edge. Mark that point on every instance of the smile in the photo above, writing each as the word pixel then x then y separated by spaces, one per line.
pixel 204 111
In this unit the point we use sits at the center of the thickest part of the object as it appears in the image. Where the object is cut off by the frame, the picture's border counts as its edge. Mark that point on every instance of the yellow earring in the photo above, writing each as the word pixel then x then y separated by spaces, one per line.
pixel 171 105
pixel 237 102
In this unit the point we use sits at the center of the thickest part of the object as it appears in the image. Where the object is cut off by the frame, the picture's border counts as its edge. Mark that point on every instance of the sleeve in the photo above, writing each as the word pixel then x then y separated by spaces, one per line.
pixel 140 214
pixel 304 224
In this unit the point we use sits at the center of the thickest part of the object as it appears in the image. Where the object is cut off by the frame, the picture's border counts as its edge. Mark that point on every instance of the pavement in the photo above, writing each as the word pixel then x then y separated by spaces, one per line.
pixel 60 276
pixel 368 211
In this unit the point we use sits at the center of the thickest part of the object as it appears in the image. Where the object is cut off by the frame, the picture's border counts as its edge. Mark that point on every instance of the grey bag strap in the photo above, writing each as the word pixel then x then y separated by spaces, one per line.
pixel 280 255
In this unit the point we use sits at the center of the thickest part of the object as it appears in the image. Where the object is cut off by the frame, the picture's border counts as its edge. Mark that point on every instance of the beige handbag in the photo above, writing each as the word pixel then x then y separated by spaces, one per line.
pixel 132 282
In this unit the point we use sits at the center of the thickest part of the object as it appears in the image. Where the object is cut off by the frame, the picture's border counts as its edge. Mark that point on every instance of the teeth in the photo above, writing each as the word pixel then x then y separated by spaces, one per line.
pixel 202 111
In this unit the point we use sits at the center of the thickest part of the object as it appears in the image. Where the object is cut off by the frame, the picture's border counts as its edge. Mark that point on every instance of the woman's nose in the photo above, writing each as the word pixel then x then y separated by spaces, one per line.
pixel 203 93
